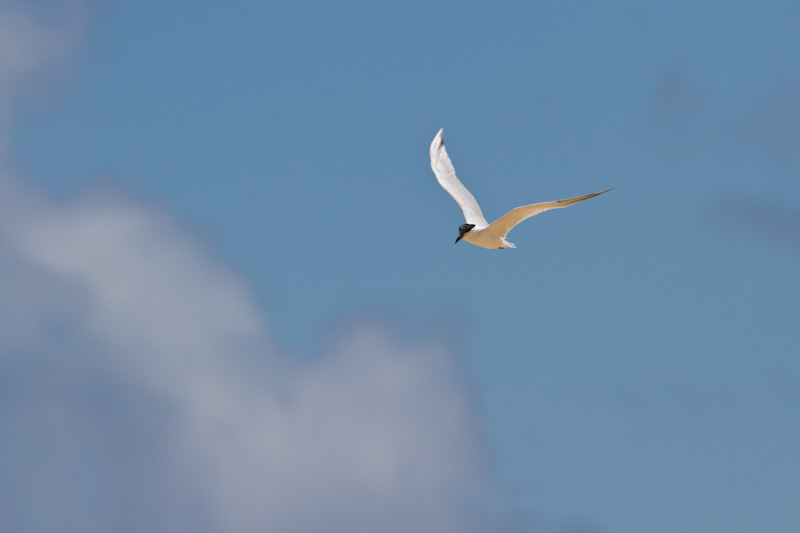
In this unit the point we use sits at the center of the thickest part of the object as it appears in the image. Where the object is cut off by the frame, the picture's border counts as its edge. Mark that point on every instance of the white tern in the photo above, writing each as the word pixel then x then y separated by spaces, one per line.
pixel 477 231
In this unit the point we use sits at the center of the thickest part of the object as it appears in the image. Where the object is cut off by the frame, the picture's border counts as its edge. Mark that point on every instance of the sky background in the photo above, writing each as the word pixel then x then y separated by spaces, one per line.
pixel 230 299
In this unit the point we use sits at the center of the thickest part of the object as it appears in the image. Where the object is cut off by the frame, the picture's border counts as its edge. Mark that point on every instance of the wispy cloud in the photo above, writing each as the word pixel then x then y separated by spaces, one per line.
pixel 679 105
pixel 772 220
pixel 684 112
pixel 33 54
pixel 686 117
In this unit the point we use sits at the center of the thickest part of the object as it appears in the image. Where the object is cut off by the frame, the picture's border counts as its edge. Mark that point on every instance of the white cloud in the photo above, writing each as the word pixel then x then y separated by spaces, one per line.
pixel 140 391
pixel 117 323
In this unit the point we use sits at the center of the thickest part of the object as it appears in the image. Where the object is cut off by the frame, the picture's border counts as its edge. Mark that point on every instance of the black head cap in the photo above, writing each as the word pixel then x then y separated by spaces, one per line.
pixel 463 229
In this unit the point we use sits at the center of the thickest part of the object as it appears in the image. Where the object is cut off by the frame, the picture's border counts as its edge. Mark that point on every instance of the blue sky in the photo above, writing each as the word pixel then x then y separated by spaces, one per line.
pixel 231 272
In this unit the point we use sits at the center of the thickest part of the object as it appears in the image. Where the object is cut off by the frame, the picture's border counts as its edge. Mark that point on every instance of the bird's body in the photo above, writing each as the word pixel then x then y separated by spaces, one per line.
pixel 486 239
pixel 477 231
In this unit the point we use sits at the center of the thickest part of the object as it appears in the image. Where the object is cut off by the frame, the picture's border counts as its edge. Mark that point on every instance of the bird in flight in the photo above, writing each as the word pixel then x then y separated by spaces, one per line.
pixel 477 231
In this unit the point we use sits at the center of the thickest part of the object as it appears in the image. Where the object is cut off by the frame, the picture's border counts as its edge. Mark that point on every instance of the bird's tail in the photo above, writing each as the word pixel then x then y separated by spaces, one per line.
pixel 507 244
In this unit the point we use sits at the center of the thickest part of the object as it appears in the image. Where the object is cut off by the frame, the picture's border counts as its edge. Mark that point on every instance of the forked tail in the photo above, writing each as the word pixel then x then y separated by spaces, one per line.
pixel 507 244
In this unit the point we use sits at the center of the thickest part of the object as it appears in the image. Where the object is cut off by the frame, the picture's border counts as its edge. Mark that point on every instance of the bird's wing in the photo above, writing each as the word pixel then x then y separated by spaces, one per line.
pixel 503 225
pixel 446 175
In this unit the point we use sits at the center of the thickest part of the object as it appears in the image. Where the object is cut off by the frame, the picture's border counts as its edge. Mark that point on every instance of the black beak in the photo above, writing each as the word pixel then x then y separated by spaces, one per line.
pixel 459 238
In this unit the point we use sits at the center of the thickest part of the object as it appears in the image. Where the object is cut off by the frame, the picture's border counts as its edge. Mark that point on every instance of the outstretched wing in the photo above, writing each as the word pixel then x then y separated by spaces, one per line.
pixel 503 224
pixel 446 175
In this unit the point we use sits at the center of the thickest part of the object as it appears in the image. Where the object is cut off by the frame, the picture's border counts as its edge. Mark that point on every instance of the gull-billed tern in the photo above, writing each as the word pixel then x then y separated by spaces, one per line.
pixel 477 231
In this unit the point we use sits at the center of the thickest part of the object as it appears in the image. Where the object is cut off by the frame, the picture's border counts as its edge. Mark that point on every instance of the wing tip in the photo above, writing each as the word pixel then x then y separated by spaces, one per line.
pixel 599 193
pixel 437 142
